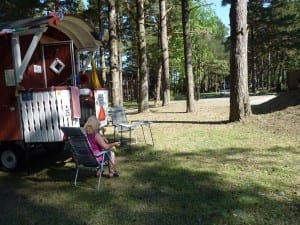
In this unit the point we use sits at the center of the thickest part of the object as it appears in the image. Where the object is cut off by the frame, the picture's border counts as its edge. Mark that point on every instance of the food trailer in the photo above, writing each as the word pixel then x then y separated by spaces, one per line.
pixel 39 85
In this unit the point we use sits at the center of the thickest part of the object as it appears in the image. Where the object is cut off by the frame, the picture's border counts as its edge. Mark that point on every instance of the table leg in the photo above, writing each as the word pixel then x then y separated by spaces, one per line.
pixel 144 134
pixel 151 134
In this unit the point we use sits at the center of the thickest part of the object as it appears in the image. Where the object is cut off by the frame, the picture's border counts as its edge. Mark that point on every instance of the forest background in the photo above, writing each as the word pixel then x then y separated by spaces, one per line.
pixel 273 43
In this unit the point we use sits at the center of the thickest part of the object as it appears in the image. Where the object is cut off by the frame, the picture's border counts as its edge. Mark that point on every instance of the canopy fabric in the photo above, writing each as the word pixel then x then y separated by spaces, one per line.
pixel 26 24
pixel 74 27
pixel 79 31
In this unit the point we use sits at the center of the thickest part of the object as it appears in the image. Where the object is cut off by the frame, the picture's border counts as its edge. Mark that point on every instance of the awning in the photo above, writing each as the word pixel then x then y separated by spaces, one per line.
pixel 74 27
pixel 27 24
pixel 79 31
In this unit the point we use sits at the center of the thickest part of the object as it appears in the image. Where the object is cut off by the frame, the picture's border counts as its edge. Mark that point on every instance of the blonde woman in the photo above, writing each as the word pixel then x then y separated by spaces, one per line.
pixel 99 143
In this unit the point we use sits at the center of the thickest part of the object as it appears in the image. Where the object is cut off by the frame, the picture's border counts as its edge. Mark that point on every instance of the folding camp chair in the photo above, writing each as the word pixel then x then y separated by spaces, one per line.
pixel 121 124
pixel 83 152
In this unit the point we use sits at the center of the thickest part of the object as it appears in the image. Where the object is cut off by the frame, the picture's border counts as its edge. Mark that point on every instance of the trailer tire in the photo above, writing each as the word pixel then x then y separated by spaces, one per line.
pixel 11 157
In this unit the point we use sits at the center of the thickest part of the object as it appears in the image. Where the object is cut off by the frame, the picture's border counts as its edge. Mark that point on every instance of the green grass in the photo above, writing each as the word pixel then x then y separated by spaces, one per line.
pixel 201 171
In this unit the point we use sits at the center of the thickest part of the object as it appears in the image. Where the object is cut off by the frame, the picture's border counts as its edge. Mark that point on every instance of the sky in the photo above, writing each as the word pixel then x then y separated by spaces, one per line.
pixel 221 11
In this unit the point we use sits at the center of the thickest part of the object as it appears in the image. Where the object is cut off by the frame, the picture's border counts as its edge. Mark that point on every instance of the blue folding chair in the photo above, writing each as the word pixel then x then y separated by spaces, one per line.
pixel 83 152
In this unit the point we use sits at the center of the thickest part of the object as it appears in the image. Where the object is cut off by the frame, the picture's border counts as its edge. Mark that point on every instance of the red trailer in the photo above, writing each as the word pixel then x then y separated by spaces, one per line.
pixel 38 82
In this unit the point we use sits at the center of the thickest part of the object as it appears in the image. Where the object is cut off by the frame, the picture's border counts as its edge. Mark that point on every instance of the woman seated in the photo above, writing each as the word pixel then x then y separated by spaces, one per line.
pixel 99 143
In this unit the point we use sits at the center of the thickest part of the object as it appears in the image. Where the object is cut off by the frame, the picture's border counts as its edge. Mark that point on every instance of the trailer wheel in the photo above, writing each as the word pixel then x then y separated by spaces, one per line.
pixel 11 157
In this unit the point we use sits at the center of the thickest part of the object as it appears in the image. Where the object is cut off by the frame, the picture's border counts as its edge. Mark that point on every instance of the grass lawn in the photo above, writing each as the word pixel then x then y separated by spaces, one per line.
pixel 202 170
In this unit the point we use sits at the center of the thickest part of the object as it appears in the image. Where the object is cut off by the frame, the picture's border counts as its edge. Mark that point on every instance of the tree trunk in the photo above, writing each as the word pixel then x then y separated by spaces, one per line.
pixel 165 52
pixel 269 72
pixel 143 102
pixel 158 84
pixel 279 77
pixel 103 65
pixel 253 71
pixel 239 93
pixel 101 52
pixel 119 29
pixel 188 56
pixel 114 59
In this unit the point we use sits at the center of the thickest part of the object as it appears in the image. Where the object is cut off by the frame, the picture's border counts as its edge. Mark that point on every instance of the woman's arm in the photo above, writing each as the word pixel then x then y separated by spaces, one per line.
pixel 103 144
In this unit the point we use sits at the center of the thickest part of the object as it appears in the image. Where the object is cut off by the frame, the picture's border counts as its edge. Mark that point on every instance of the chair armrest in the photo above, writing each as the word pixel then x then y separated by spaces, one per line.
pixel 102 153
pixel 146 122
pixel 129 125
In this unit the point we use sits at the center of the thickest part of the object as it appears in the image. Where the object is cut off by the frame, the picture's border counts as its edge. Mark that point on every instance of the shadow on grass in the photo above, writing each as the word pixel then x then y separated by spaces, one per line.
pixel 18 208
pixel 160 190
pixel 171 194
pixel 39 197
pixel 27 198
pixel 221 122
pixel 239 156
pixel 281 102
pixel 40 159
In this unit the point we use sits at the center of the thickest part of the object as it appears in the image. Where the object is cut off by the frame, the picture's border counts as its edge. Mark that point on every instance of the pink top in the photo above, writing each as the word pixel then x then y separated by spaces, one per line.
pixel 96 148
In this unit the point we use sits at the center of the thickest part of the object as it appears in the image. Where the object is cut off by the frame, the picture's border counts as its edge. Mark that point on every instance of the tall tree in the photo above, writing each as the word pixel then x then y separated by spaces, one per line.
pixel 119 31
pixel 273 41
pixel 66 6
pixel 102 49
pixel 143 102
pixel 97 13
pixel 239 93
pixel 188 56
pixel 114 58
pixel 16 9
pixel 165 52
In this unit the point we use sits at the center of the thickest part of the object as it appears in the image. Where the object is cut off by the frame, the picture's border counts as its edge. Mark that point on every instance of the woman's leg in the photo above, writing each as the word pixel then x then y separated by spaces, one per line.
pixel 111 162
pixel 111 165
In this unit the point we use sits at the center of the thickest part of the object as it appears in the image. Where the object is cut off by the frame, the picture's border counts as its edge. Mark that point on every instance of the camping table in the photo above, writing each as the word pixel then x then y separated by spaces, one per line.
pixel 130 126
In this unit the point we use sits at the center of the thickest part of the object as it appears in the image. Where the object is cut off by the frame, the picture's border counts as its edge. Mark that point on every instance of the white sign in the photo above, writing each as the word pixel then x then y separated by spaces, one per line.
pixel 10 77
pixel 37 69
